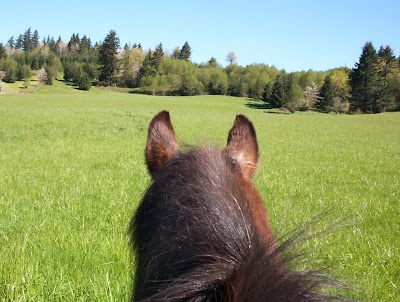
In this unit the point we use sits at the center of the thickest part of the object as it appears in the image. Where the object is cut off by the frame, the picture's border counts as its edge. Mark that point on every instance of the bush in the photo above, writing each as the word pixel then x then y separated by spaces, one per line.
pixel 84 83
pixel 42 75
pixel 339 105
pixel 10 75
pixel 69 71
pixel 24 72
pixel 51 74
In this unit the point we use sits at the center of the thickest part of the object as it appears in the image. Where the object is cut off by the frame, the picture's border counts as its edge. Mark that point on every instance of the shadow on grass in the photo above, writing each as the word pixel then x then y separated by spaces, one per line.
pixel 67 83
pixel 261 105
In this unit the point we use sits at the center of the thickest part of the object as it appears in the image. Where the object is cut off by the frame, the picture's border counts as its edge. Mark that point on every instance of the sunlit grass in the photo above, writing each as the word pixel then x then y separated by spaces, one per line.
pixel 72 172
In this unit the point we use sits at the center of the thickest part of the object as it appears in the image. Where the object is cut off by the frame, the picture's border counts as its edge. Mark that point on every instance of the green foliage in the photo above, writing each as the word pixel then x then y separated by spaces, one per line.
pixel 365 80
pixel 69 70
pixel 185 52
pixel 294 98
pixel 212 62
pixel 218 83
pixel 327 94
pixel 158 57
pixel 267 93
pixel 372 86
pixel 286 93
pixel 51 72
pixel 2 51
pixel 10 67
pixel 108 58
pixel 10 74
pixel 84 82
pixel 190 85
pixel 27 42
pixel 23 72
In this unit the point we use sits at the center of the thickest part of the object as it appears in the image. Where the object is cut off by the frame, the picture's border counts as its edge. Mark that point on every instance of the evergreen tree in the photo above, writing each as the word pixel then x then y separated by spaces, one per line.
pixel 266 96
pixel 35 39
pixel 365 80
pixel 58 46
pixel 148 68
pixel 26 44
pixel 35 62
pixel 388 59
pixel 176 53
pixel 158 57
pixel 212 62
pixel 108 58
pixel 326 96
pixel 73 43
pixel 11 42
pixel 2 51
pixel 52 44
pixel 278 93
pixel 19 42
pixel 126 48
pixel 84 45
pixel 84 82
pixel 10 75
pixel 185 52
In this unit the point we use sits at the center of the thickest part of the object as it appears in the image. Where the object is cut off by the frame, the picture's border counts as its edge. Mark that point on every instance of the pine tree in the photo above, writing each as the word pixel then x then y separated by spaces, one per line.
pixel 2 51
pixel 158 57
pixel 19 42
pixel 365 80
pixel 57 46
pixel 327 94
pixel 35 39
pixel 176 53
pixel 388 59
pixel 84 45
pixel 72 44
pixel 11 42
pixel 148 68
pixel 212 62
pixel 185 52
pixel 26 44
pixel 266 96
pixel 107 58
pixel 278 93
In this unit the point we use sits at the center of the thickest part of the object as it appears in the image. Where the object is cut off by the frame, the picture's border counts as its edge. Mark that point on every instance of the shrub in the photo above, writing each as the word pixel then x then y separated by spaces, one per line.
pixel 42 75
pixel 84 83
pixel 10 75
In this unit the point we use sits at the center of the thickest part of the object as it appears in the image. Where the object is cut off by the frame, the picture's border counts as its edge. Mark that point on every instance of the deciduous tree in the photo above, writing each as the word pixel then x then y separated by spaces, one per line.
pixel 231 58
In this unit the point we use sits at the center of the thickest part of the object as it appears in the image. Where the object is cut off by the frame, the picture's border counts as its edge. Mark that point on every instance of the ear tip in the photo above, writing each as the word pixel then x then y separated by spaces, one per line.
pixel 162 116
pixel 243 120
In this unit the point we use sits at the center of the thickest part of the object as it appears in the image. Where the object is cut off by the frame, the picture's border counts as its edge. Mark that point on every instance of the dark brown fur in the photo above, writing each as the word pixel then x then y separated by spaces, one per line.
pixel 201 232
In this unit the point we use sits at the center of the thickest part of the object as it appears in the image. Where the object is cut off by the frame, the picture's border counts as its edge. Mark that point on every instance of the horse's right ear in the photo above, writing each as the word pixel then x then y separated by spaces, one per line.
pixel 161 144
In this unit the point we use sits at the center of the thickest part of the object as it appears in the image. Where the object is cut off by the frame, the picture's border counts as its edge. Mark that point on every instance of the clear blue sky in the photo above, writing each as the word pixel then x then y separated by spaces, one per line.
pixel 292 35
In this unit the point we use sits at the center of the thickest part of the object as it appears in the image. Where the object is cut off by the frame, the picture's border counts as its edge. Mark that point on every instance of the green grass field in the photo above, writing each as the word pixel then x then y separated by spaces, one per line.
pixel 72 173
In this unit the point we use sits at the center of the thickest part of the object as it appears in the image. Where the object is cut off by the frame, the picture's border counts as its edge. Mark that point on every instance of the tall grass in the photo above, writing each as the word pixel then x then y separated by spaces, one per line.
pixel 72 172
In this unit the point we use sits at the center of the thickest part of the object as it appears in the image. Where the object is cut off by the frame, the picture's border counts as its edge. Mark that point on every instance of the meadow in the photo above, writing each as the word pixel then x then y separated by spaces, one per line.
pixel 72 173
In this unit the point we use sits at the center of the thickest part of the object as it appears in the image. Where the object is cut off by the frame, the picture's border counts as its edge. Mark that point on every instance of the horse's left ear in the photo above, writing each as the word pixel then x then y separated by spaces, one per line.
pixel 161 144
pixel 242 145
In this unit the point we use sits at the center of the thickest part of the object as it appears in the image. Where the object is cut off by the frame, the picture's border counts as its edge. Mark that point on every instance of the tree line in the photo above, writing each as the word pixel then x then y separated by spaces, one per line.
pixel 373 85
